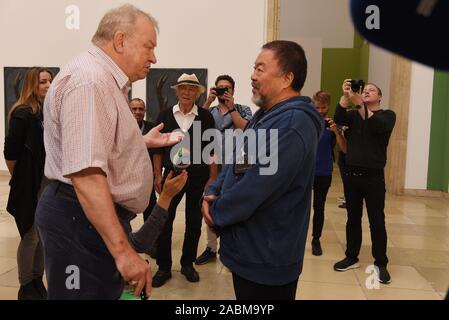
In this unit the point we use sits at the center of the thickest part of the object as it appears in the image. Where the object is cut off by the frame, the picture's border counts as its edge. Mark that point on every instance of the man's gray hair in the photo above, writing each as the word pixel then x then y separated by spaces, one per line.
pixel 122 19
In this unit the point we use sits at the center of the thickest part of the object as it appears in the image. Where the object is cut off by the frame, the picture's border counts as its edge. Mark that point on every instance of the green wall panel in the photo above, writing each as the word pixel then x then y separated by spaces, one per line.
pixel 438 171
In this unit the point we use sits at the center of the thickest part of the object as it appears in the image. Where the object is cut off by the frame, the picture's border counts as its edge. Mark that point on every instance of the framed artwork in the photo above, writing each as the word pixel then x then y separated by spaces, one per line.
pixel 160 95
pixel 13 80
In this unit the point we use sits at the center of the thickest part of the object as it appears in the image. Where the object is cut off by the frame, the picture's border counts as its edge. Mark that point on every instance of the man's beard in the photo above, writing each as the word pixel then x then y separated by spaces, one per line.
pixel 260 101
pixel 221 100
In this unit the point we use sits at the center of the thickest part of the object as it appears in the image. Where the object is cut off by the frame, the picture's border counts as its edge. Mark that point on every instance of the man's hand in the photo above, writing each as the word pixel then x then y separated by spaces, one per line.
pixel 229 101
pixel 172 186
pixel 135 270
pixel 350 96
pixel 205 209
pixel 346 87
pixel 332 126
pixel 155 139
pixel 211 98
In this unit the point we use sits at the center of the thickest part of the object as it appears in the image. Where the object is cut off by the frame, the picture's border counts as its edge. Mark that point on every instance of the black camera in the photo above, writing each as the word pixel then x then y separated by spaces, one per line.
pixel 221 91
pixel 327 123
pixel 357 85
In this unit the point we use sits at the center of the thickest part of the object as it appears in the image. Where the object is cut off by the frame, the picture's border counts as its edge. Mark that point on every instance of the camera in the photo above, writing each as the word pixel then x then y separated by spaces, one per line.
pixel 221 91
pixel 357 85
pixel 327 123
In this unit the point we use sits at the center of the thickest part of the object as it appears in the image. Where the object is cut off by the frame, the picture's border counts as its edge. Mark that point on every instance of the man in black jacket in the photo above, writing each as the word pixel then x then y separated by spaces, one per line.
pixel 138 110
pixel 370 129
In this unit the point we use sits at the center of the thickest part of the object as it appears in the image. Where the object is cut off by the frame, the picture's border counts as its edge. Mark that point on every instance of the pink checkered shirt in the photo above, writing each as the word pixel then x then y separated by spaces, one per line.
pixel 87 123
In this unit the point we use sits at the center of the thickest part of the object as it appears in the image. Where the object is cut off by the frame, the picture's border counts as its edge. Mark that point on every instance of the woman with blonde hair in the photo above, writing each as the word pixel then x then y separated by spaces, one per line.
pixel 25 157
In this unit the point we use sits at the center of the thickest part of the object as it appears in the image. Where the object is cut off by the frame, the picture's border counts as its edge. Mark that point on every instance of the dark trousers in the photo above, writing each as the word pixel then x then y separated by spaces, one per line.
pixel 341 166
pixel 75 254
pixel 370 187
pixel 193 218
pixel 151 205
pixel 321 186
pixel 248 290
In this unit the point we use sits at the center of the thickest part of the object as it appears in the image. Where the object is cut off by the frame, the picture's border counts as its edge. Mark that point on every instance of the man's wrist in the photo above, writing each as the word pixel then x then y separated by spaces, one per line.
pixel 344 102
pixel 164 201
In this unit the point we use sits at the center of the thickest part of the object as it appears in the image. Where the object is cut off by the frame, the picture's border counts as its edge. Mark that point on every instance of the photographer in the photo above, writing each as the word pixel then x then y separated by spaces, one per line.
pixel 227 115
pixel 324 165
pixel 370 128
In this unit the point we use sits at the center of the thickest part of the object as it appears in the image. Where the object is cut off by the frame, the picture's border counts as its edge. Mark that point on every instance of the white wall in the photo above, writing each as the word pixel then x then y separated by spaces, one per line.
pixel 420 115
pixel 380 71
pixel 326 19
pixel 208 34
pixel 316 24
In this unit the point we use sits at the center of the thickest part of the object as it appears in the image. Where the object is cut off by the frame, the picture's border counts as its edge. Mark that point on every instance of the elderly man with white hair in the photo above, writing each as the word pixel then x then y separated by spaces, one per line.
pixel 98 164
pixel 185 116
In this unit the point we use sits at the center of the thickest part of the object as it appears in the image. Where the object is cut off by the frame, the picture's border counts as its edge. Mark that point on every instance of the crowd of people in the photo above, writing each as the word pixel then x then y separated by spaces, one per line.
pixel 86 162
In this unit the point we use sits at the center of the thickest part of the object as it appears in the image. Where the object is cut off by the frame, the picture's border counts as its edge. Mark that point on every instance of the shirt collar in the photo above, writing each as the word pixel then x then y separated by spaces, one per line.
pixel 120 77
pixel 193 111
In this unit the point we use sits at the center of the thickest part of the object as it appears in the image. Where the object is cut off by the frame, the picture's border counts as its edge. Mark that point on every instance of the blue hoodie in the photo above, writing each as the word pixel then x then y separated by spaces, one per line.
pixel 263 219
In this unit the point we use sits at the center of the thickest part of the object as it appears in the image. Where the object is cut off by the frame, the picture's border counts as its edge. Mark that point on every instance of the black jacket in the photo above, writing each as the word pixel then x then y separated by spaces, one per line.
pixel 368 139
pixel 25 144
pixel 207 122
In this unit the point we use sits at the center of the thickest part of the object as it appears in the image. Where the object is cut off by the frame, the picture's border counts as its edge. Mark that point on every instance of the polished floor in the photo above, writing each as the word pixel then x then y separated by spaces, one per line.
pixel 418 249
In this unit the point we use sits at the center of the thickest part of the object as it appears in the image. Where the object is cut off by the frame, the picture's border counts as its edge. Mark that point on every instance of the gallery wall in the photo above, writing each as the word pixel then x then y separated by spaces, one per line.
pixel 193 34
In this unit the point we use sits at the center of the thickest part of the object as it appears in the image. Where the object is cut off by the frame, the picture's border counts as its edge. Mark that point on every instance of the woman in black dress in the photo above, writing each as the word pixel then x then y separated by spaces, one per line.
pixel 25 157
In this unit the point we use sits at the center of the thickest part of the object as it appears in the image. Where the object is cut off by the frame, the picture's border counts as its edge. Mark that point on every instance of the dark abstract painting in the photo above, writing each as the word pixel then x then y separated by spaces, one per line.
pixel 160 95
pixel 13 79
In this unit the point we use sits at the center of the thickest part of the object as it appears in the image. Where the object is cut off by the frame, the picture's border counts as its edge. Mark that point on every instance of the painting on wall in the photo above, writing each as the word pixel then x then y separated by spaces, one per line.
pixel 13 80
pixel 160 95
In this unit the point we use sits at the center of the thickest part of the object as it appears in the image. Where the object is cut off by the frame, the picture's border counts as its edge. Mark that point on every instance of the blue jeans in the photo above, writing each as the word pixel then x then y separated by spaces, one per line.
pixel 74 251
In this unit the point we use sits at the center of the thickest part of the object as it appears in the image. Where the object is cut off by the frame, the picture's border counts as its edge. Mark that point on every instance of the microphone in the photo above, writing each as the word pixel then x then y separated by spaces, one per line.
pixel 415 29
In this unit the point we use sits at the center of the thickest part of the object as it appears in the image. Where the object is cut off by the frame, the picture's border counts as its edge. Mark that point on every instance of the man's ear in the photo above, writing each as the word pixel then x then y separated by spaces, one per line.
pixel 288 79
pixel 119 41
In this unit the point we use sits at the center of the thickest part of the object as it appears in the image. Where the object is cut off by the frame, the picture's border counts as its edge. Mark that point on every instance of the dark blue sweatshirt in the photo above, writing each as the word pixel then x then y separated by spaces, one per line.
pixel 263 219
pixel 324 155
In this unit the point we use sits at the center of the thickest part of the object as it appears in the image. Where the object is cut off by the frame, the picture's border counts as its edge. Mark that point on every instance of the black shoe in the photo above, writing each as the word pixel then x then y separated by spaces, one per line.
pixel 343 205
pixel 160 278
pixel 190 274
pixel 29 292
pixel 316 248
pixel 207 256
pixel 346 264
pixel 383 275
pixel 40 287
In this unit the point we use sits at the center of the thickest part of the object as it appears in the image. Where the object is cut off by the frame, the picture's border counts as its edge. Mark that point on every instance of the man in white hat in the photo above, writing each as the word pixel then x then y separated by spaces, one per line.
pixel 186 116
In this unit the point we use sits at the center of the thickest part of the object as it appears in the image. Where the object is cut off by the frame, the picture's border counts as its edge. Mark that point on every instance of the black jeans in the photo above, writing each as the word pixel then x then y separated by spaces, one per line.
pixel 247 290
pixel 342 167
pixel 321 186
pixel 74 251
pixel 371 187
pixel 193 218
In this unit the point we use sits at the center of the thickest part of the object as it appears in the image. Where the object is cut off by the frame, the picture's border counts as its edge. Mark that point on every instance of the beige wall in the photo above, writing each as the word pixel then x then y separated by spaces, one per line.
pixel 328 20
pixel 419 120
pixel 380 71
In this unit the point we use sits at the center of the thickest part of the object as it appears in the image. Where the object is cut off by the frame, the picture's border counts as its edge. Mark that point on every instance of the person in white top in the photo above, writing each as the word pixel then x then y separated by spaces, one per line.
pixel 193 121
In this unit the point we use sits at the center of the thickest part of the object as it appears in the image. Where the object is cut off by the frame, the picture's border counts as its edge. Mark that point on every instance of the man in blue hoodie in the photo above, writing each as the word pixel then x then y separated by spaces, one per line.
pixel 262 218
